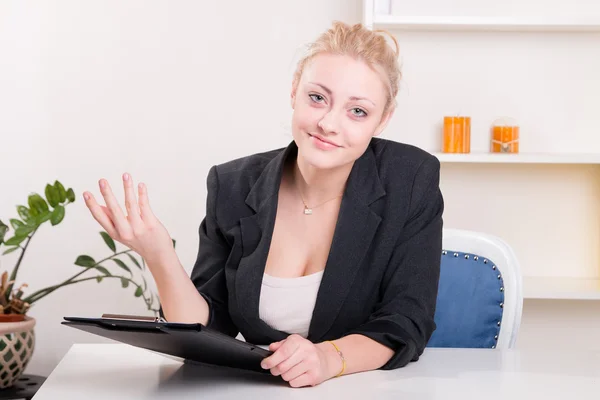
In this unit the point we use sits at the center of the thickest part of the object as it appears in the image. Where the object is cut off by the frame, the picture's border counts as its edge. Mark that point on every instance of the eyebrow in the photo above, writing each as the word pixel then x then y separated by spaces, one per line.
pixel 325 88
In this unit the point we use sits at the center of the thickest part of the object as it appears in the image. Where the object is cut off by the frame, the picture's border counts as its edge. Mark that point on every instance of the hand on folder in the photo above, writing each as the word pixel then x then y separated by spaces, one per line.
pixel 301 362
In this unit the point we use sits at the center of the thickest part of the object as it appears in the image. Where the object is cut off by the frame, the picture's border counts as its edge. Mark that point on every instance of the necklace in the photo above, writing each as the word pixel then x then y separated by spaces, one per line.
pixel 309 210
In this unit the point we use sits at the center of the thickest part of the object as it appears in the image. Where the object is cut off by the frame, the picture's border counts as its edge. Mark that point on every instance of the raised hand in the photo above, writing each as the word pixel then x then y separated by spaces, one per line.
pixel 139 230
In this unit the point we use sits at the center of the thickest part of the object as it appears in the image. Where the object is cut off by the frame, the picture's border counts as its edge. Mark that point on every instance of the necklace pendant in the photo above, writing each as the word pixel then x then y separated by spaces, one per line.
pixel 307 211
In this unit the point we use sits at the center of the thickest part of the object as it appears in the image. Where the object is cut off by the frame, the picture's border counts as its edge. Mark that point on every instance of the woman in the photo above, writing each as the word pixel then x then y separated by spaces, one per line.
pixel 327 250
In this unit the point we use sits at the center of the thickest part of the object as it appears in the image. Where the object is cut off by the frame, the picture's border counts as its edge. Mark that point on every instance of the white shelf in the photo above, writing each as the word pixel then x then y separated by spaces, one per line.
pixel 427 23
pixel 521 158
pixel 561 288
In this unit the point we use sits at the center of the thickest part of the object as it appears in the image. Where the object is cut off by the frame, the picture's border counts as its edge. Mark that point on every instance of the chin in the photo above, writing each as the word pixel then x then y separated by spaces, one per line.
pixel 320 159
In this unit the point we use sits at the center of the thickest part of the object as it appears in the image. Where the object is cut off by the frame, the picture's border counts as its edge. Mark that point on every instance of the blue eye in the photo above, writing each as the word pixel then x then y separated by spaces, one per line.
pixel 361 112
pixel 317 98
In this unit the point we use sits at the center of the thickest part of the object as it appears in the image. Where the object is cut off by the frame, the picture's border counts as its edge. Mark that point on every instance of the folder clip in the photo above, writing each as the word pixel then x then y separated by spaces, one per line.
pixel 134 318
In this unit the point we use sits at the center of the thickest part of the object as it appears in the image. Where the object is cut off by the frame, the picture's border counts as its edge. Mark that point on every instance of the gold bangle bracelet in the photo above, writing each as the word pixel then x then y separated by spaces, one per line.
pixel 341 356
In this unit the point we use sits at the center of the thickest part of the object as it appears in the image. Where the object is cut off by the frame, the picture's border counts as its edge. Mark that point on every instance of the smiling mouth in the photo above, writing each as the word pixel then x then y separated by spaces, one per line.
pixel 324 141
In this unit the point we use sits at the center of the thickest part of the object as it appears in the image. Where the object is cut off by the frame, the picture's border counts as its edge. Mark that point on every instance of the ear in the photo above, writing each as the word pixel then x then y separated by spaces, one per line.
pixel 293 93
pixel 384 121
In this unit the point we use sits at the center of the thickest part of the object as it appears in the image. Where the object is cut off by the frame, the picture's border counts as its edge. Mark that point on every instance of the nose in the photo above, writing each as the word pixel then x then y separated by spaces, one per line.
pixel 329 124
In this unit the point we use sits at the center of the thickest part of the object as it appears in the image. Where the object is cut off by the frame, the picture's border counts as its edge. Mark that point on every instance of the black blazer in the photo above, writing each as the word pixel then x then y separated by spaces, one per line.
pixel 381 277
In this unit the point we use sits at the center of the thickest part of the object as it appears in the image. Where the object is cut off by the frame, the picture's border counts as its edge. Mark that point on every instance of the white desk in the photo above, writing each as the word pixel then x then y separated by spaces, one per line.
pixel 118 371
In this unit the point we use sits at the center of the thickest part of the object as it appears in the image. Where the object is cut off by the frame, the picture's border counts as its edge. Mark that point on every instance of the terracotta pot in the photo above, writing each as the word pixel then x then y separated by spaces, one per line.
pixel 17 341
pixel 12 317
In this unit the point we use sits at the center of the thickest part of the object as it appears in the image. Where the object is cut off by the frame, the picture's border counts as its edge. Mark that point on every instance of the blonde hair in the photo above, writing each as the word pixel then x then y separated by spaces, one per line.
pixel 360 43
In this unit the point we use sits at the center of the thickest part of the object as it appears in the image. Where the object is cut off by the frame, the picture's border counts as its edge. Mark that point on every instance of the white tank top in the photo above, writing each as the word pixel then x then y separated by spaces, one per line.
pixel 287 304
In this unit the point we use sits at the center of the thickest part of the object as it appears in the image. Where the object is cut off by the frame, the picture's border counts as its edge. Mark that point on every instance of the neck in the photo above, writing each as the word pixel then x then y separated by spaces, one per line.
pixel 318 185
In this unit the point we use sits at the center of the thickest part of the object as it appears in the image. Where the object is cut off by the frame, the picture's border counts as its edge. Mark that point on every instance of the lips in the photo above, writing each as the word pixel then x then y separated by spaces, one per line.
pixel 322 139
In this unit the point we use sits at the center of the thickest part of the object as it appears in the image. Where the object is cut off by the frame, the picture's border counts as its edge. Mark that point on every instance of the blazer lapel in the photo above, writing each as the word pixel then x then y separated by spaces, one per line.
pixel 354 232
pixel 256 234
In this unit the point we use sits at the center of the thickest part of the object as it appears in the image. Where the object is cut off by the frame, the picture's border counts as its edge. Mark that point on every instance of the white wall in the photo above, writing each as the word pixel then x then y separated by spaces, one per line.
pixel 160 89
pixel 164 90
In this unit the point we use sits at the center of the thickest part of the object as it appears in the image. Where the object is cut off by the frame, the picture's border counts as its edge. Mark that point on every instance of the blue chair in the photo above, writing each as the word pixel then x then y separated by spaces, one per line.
pixel 480 296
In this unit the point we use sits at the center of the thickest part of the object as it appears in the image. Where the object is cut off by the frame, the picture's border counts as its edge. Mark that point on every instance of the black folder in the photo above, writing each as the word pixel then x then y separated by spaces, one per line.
pixel 189 342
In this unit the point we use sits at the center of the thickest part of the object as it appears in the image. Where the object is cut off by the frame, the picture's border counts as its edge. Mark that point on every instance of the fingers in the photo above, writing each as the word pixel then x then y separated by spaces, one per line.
pixel 118 225
pixel 297 361
pixel 306 379
pixel 145 210
pixel 286 349
pixel 296 372
pixel 118 218
pixel 131 203
pixel 100 214
pixel 275 346
pixel 293 367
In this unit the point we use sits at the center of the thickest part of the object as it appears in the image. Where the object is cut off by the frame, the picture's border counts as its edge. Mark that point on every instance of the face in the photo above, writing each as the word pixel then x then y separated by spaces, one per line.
pixel 338 107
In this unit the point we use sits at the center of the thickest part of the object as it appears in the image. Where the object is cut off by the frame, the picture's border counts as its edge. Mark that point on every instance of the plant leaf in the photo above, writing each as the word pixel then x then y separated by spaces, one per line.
pixel 37 203
pixel 71 195
pixel 85 261
pixel 174 241
pixel 122 265
pixel 145 284
pixel 24 213
pixel 99 278
pixel 40 219
pixel 52 195
pixel 24 230
pixel 103 270
pixel 10 250
pixel 139 291
pixel 15 240
pixel 57 215
pixel 109 241
pixel 62 193
pixel 15 223
pixel 135 261
pixel 3 230
pixel 32 211
pixel 124 282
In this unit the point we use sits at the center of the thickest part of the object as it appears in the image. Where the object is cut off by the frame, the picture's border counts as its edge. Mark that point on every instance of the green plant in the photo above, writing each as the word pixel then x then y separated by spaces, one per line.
pixel 52 208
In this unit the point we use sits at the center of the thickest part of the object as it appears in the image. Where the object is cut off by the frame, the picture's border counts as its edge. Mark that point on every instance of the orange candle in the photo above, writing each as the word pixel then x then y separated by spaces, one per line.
pixel 457 135
pixel 505 137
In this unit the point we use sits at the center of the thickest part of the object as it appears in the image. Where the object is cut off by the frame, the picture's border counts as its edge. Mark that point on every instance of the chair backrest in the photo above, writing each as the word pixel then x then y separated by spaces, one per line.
pixel 480 296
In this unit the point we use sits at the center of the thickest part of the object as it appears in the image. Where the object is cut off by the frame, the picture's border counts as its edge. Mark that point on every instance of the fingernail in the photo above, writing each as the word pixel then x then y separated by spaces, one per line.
pixel 102 183
pixel 126 177
pixel 263 366
pixel 86 196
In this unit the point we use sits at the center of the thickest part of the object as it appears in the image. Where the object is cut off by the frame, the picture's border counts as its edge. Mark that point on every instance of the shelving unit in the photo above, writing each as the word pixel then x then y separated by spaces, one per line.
pixel 378 15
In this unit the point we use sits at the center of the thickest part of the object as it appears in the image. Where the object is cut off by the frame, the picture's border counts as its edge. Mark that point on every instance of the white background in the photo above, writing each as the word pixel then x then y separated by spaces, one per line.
pixel 164 90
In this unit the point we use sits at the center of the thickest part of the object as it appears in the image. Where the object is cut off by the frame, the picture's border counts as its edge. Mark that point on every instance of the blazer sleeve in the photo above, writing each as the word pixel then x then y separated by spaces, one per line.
pixel 208 274
pixel 403 319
